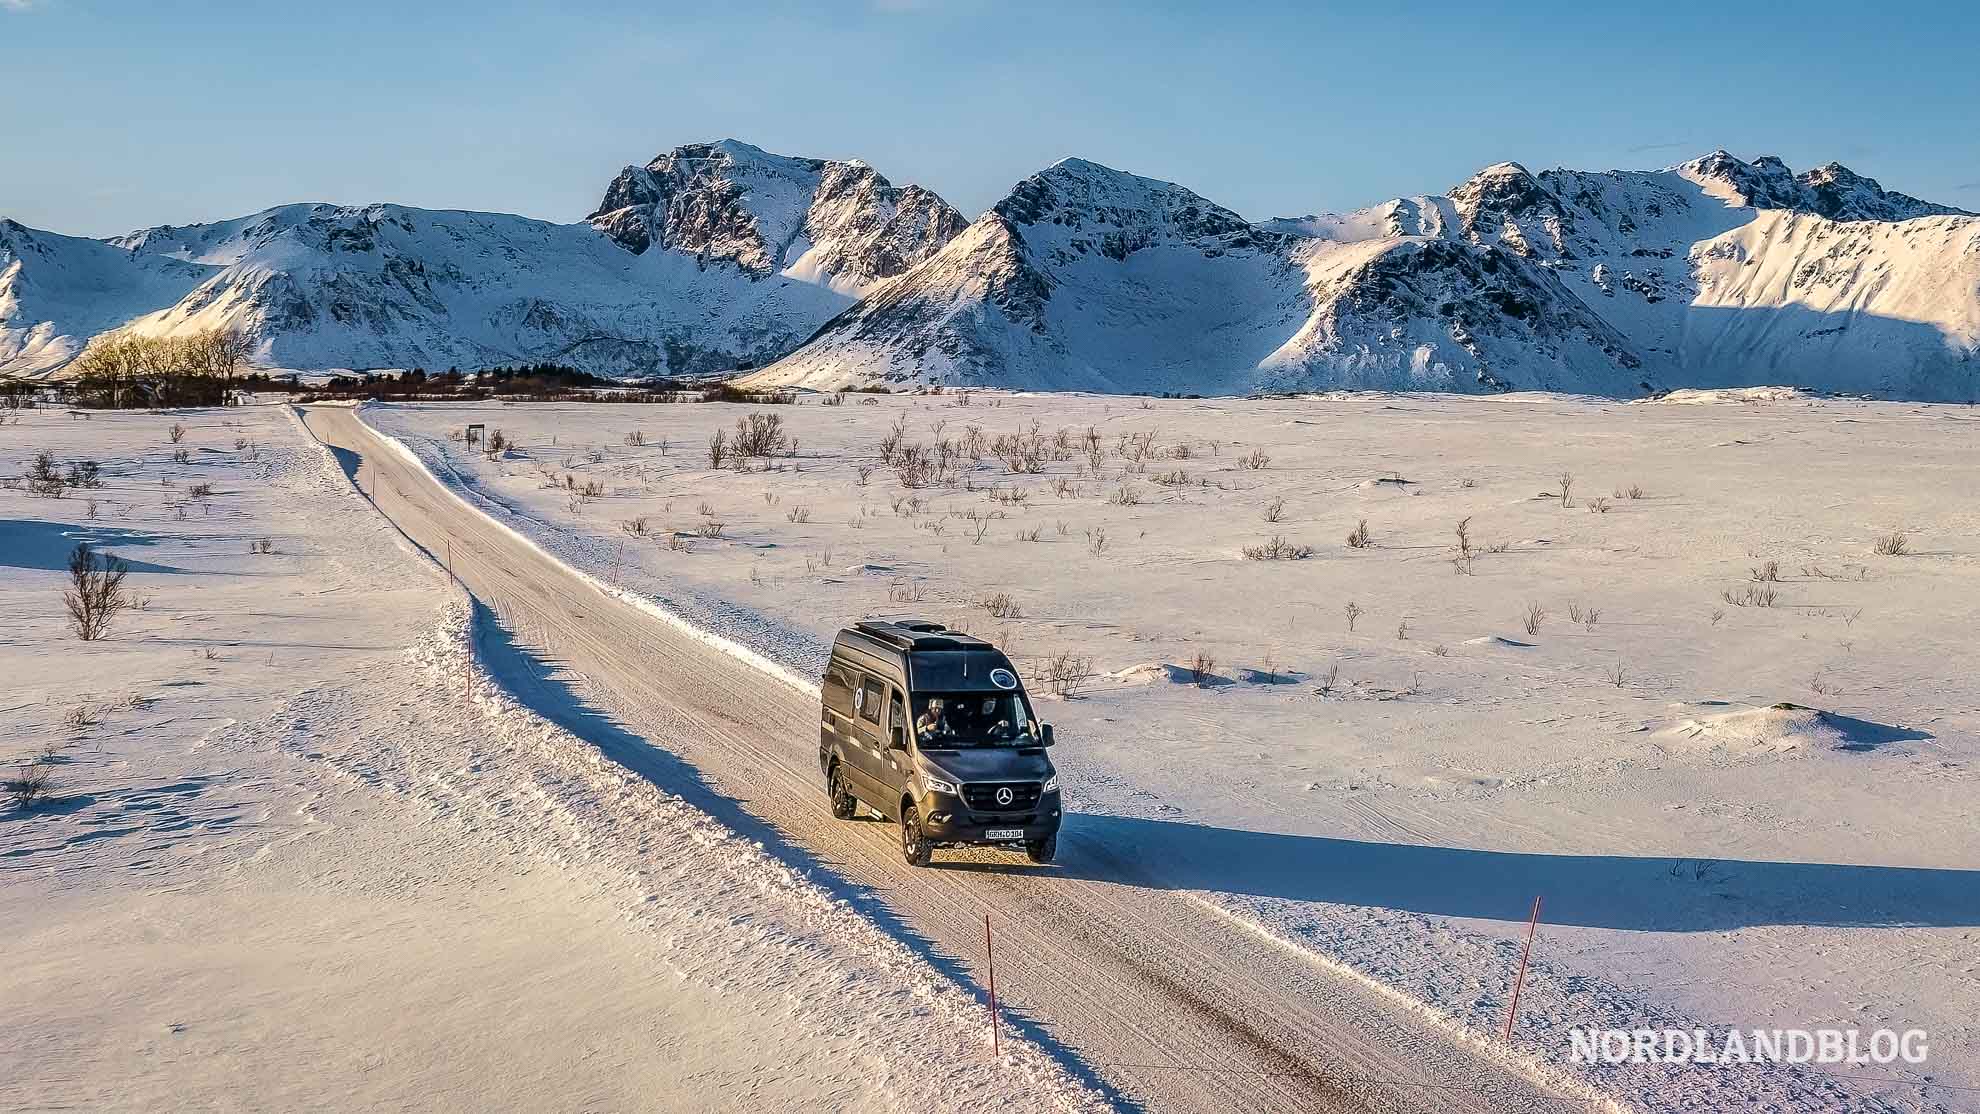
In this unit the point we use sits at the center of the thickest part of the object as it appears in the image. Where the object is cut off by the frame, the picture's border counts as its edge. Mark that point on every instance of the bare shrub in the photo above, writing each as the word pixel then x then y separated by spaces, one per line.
pixel 1768 572
pixel 1352 611
pixel 799 514
pixel 96 594
pixel 709 529
pixel 81 718
pixel 261 546
pixel 1067 674
pixel 1001 606
pixel 1359 538
pixel 1633 491
pixel 1275 511
pixel 1177 478
pixel 1598 505
pixel 636 527
pixel 591 489
pixel 1096 540
pixel 1531 619
pixel 1030 535
pixel 1753 595
pixel 1256 460
pixel 760 434
pixel 1202 668
pixel 498 443
pixel 200 491
pixel 181 456
pixel 1330 679
pixel 1567 488
pixel 1615 675
pixel 1893 544
pixel 718 449
pixel 176 434
pixel 1278 549
pixel 43 479
pixel 84 474
pixel 863 474
pixel 1125 496
pixel 30 784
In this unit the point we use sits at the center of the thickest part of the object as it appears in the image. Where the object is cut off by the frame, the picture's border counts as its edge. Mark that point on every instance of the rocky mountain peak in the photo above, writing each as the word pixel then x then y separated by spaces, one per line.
pixel 730 202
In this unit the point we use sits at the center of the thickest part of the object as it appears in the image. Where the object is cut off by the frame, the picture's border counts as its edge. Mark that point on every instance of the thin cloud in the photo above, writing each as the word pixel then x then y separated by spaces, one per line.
pixel 16 5
pixel 1643 147
pixel 1968 187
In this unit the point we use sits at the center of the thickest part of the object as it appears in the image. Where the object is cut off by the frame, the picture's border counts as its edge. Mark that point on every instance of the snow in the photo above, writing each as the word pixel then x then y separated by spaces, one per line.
pixel 1705 857
pixel 312 854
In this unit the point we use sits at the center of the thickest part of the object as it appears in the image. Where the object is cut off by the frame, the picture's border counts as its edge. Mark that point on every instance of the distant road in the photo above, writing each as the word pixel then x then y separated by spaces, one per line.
pixel 1169 1004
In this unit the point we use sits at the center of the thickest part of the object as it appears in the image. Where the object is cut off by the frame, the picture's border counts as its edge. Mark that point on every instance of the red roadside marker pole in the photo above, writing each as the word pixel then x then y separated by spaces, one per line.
pixel 990 959
pixel 1512 1011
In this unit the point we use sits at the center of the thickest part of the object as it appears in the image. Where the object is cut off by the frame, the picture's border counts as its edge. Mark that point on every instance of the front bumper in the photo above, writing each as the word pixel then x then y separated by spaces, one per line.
pixel 947 820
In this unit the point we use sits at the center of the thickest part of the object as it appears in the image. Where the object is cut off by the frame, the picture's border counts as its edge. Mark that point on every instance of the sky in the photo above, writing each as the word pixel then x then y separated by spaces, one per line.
pixel 119 114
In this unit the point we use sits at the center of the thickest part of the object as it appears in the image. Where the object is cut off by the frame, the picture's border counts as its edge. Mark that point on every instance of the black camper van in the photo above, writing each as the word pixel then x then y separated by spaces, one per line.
pixel 932 729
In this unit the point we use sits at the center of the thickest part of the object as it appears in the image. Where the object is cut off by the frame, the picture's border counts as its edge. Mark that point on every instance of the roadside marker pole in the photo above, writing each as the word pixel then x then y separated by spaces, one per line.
pixel 1512 1011
pixel 990 958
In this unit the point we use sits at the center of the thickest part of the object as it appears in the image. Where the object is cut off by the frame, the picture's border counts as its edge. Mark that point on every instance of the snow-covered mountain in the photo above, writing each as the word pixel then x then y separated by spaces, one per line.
pixel 711 257
pixel 1714 272
pixel 58 291
pixel 717 256
pixel 839 224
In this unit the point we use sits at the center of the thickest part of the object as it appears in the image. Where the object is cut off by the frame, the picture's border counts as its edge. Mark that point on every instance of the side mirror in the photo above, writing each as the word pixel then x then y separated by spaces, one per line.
pixel 898 740
pixel 1045 735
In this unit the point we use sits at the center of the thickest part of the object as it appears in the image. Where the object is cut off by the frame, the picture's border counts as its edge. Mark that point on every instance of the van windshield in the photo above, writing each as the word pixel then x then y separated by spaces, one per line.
pixel 967 719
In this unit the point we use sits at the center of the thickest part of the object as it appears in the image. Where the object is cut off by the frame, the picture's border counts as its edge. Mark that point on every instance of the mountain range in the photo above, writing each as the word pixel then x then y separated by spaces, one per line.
pixel 720 257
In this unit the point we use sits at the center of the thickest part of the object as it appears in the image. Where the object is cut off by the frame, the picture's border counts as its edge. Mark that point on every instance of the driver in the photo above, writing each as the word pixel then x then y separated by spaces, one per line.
pixel 934 721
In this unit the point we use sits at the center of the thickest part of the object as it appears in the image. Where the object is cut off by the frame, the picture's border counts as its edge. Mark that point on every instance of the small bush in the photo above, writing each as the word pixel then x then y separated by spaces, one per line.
pixel 1001 606
pixel 181 456
pixel 1125 496
pixel 1531 619
pixel 176 434
pixel 1202 669
pixel 30 784
pixel 1352 611
pixel 1753 595
pixel 1275 511
pixel 1278 549
pixel 1894 544
pixel 1633 491
pixel 96 594
pixel 798 514
pixel 262 546
pixel 636 526
pixel 1359 538
pixel 636 439
pixel 718 448
pixel 1768 572
pixel 1067 674
pixel 1256 460
pixel 1598 505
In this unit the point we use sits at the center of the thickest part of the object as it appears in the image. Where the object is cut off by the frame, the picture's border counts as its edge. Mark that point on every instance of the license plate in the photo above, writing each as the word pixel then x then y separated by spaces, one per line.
pixel 1004 834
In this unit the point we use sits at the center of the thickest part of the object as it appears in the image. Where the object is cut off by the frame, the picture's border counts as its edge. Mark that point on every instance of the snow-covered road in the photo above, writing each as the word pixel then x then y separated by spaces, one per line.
pixel 1169 1003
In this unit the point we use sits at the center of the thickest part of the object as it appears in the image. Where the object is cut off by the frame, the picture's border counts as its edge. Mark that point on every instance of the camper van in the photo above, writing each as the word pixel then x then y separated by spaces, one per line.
pixel 932 729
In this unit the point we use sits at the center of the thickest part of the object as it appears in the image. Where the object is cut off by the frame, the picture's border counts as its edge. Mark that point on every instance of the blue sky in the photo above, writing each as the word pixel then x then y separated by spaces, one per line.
pixel 123 113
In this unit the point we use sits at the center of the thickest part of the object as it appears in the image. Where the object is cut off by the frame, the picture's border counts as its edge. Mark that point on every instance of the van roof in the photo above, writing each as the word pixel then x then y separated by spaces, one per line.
pixel 907 633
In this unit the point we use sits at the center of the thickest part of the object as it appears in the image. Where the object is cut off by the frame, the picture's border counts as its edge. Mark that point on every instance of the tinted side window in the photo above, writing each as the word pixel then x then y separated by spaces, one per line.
pixel 837 693
pixel 871 694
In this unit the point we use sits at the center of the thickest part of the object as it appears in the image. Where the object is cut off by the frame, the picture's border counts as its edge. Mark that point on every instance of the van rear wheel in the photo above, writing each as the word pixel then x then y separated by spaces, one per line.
pixel 914 844
pixel 1044 850
pixel 845 806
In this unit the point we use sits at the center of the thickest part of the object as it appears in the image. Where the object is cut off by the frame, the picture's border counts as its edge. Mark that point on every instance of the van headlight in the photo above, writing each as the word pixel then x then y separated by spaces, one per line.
pixel 1051 784
pixel 933 784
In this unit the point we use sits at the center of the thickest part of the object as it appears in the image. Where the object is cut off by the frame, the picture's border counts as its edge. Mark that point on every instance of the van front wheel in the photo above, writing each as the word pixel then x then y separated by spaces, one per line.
pixel 845 806
pixel 914 844
pixel 1044 850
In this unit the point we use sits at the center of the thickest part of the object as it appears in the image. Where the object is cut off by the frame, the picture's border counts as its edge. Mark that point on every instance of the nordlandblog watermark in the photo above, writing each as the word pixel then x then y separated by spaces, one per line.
pixel 1747 1046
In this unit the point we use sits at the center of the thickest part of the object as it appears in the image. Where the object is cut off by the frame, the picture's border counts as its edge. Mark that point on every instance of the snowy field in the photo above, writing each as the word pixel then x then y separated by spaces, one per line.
pixel 299 853
pixel 1383 751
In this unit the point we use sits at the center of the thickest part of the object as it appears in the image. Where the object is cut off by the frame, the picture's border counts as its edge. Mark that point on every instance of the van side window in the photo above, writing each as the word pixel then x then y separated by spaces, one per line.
pixel 837 692
pixel 871 693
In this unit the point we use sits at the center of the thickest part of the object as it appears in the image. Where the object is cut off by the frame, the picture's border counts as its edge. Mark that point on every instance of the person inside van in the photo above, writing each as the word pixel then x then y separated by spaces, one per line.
pixel 932 724
pixel 971 717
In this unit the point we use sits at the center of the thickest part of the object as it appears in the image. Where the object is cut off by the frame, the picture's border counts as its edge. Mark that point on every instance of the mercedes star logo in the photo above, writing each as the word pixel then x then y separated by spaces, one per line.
pixel 1004 796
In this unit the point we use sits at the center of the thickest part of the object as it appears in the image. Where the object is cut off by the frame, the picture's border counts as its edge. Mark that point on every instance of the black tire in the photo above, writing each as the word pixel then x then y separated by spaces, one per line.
pixel 914 845
pixel 1044 850
pixel 845 806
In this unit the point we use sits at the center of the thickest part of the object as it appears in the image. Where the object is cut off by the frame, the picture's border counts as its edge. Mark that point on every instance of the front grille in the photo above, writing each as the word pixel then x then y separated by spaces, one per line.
pixel 982 795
